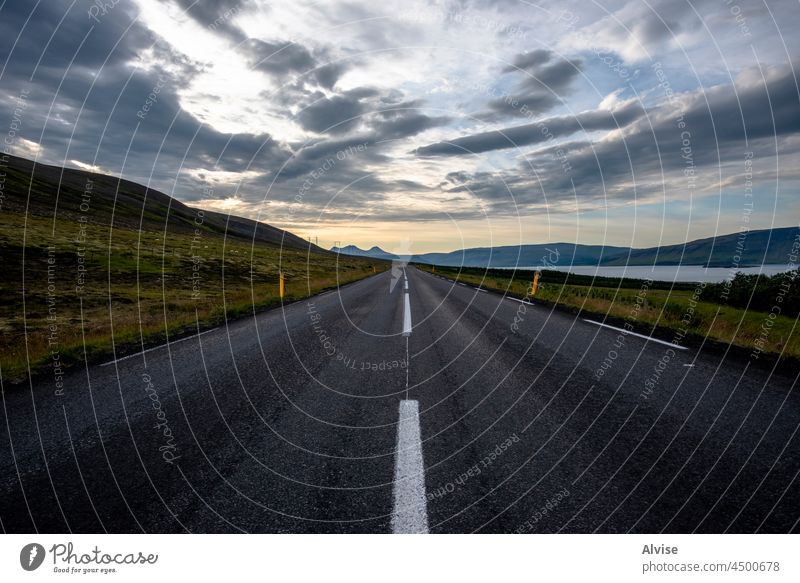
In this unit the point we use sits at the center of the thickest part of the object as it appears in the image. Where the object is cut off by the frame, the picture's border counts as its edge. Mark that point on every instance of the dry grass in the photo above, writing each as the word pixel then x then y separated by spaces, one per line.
pixel 666 309
pixel 139 287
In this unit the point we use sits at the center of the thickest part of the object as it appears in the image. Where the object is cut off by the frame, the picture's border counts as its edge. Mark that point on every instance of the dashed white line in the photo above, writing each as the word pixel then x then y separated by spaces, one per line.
pixel 405 284
pixel 481 289
pixel 520 301
pixel 406 315
pixel 156 347
pixel 410 512
pixel 648 338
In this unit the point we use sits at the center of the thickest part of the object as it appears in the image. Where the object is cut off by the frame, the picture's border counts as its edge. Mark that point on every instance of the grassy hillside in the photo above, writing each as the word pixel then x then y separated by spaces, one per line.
pixel 73 286
pixel 73 195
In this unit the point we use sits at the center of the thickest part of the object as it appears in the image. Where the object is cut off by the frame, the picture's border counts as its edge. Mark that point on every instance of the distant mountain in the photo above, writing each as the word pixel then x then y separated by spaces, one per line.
pixel 375 252
pixel 524 255
pixel 734 250
pixel 49 191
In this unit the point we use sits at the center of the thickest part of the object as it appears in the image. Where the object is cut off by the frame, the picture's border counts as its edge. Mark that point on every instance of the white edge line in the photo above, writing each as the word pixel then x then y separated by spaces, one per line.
pixel 481 290
pixel 648 338
pixel 127 356
pixel 410 511
pixel 520 301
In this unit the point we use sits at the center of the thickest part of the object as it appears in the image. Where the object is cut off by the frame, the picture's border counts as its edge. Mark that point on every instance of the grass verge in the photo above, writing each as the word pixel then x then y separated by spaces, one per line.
pixel 674 310
pixel 72 291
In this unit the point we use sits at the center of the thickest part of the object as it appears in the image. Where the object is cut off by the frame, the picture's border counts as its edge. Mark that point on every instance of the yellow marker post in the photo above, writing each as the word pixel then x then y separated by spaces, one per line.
pixel 282 286
pixel 434 268
pixel 535 283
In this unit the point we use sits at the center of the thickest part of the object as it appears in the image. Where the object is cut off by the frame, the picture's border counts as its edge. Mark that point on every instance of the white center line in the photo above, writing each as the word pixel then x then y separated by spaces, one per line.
pixel 405 283
pixel 410 512
pixel 157 347
pixel 648 338
pixel 408 362
pixel 406 316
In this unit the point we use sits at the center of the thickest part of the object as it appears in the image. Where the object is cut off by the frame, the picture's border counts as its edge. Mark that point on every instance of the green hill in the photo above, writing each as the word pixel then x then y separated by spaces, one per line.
pixel 83 254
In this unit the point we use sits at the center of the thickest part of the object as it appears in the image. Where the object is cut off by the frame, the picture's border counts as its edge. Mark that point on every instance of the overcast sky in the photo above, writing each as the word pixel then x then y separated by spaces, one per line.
pixel 446 125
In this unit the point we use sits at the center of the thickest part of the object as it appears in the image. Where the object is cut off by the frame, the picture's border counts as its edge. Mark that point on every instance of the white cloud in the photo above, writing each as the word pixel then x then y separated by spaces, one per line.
pixel 228 94
pixel 27 148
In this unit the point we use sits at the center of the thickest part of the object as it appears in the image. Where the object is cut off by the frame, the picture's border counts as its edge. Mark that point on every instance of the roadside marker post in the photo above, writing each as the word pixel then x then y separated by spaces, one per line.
pixel 282 286
pixel 535 283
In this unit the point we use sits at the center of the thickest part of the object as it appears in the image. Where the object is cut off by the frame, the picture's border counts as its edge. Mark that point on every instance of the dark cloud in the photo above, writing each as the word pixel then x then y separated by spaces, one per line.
pixel 638 31
pixel 543 78
pixel 284 58
pixel 216 15
pixel 406 123
pixel 383 126
pixel 498 188
pixel 85 101
pixel 42 40
pixel 678 146
pixel 518 106
pixel 278 58
pixel 721 125
pixel 661 21
pixel 553 77
pixel 534 133
pixel 328 75
pixel 335 115
pixel 529 61
pixel 345 164
pixel 84 94
pixel 459 177
pixel 365 106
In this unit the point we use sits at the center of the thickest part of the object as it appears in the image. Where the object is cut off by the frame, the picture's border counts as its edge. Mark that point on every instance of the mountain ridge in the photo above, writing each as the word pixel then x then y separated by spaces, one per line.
pixel 36 188
pixel 743 249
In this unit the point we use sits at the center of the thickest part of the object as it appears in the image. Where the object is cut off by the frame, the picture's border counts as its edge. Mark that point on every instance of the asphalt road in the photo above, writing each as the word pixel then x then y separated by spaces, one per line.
pixel 383 409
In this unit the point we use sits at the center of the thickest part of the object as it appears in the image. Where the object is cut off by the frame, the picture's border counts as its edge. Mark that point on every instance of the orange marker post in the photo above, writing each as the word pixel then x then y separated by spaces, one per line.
pixel 535 283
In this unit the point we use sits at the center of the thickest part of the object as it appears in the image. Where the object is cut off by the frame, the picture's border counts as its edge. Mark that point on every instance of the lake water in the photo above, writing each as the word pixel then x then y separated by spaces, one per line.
pixel 669 272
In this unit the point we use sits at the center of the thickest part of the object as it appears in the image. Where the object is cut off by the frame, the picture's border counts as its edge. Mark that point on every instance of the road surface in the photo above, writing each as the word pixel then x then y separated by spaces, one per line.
pixel 405 404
